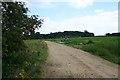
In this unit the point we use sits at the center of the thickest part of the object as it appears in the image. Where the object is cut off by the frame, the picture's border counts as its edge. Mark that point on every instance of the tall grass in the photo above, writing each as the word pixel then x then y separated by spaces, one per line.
pixel 38 52
pixel 106 49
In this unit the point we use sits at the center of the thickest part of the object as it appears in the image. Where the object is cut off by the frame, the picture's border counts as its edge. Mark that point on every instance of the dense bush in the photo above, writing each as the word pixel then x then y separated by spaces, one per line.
pixel 26 64
pixel 16 25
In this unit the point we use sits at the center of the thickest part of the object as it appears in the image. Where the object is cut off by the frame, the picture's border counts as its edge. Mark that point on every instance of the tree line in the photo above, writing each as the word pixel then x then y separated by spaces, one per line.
pixel 65 34
pixel 71 34
pixel 113 34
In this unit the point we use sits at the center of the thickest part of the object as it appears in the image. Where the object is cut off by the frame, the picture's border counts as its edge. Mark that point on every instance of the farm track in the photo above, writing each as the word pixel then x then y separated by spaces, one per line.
pixel 67 62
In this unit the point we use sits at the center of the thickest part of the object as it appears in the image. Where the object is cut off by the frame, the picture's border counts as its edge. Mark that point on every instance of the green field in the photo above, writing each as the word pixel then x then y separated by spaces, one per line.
pixel 26 64
pixel 105 47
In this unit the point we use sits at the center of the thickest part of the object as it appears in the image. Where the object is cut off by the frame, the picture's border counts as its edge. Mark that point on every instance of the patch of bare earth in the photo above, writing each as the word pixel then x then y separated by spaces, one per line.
pixel 67 62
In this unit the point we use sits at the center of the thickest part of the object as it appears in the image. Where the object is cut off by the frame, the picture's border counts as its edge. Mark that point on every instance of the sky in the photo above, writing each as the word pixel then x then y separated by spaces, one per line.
pixel 97 16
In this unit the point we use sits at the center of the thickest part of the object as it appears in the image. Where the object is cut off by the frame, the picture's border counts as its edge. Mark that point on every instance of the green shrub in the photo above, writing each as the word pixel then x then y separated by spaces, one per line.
pixel 26 64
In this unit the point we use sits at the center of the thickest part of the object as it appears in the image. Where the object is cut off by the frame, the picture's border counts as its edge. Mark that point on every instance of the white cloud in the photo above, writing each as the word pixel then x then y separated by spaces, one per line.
pixel 46 19
pixel 73 3
pixel 48 3
pixel 99 24
pixel 81 3
pixel 106 0
pixel 99 10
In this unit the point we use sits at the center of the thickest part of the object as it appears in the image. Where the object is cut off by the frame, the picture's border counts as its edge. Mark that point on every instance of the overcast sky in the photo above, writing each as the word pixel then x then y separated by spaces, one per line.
pixel 97 16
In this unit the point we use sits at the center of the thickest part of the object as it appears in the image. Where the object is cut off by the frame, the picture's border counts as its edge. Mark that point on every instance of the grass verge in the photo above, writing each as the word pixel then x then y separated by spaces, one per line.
pixel 38 51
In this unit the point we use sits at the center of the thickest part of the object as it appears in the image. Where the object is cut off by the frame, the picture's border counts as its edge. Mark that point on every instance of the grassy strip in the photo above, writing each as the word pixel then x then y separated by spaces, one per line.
pixel 105 47
pixel 38 52
pixel 27 63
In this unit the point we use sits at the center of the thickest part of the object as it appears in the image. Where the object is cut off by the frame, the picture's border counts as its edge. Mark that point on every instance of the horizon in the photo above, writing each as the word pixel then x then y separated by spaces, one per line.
pixel 80 31
pixel 96 16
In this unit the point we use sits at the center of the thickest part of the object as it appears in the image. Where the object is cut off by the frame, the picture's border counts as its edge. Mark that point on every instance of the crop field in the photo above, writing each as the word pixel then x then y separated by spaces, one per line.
pixel 105 47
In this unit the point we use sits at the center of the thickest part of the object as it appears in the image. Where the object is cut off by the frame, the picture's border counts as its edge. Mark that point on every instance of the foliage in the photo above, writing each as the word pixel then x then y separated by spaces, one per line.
pixel 13 14
pixel 37 35
pixel 113 34
pixel 26 64
pixel 15 26
pixel 31 23
pixel 66 34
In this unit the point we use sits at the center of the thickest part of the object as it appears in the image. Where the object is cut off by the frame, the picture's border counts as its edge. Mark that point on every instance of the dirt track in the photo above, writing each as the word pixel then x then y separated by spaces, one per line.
pixel 68 62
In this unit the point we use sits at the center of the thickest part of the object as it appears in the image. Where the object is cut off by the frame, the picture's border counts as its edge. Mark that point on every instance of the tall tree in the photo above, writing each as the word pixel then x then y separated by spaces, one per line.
pixel 12 24
pixel 15 23
pixel 32 23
